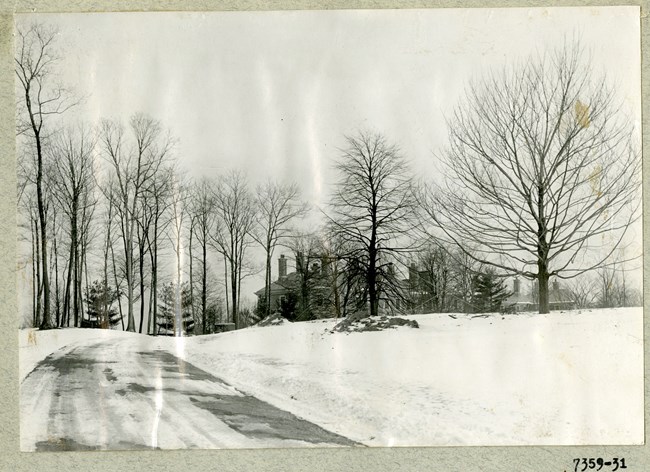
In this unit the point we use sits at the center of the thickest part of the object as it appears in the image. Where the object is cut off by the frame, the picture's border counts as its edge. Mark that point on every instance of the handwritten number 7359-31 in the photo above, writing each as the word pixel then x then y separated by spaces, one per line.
pixel 583 463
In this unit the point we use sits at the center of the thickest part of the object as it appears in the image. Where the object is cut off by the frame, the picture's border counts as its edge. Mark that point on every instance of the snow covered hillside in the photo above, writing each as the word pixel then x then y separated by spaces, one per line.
pixel 563 378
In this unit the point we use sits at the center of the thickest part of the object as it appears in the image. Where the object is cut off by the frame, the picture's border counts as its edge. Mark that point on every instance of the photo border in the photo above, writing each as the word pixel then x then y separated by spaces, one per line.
pixel 517 458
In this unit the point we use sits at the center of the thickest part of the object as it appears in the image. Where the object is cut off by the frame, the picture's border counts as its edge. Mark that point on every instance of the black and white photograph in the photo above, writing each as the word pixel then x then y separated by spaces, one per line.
pixel 329 228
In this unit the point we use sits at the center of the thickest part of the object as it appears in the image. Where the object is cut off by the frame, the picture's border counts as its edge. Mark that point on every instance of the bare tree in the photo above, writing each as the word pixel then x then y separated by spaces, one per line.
pixel 373 210
pixel 28 209
pixel 277 205
pixel 465 268
pixel 36 267
pixel 541 167
pixel 38 99
pixel 234 207
pixel 201 210
pixel 582 290
pixel 110 261
pixel 56 227
pixel 156 200
pixel 55 231
pixel 340 283
pixel 431 277
pixel 132 168
pixel 612 287
pixel 143 223
pixel 178 216
pixel 608 287
pixel 331 248
pixel 106 250
pixel 71 174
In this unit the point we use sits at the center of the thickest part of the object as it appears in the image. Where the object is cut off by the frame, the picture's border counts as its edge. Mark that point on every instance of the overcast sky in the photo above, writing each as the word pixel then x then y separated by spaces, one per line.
pixel 274 93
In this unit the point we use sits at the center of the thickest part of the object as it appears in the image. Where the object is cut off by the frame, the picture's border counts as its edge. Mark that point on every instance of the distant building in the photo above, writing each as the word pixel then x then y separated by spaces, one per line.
pixel 315 293
pixel 308 287
pixel 282 286
pixel 559 298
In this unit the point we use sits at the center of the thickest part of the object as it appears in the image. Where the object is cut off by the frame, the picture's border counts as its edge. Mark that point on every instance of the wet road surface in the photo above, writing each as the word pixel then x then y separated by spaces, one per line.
pixel 116 396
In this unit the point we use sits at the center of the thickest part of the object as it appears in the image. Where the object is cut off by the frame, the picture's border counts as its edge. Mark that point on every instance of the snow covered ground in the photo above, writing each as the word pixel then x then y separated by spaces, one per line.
pixel 563 378
pixel 36 345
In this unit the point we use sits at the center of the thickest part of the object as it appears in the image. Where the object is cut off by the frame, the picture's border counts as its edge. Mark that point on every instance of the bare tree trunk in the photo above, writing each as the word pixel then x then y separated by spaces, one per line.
pixel 129 277
pixel 35 281
pixel 45 323
pixel 225 283
pixel 204 281
pixel 75 277
pixel 141 263
pixel 335 289
pixel 56 282
pixel 543 288
pixel 372 275
pixel 267 283
pixel 234 292
pixel 154 281
pixel 192 276
pixel 117 287
pixel 68 285
pixel 105 316
pixel 150 312
pixel 84 258
pixel 542 244
pixel 178 319
pixel 141 257
pixel 153 253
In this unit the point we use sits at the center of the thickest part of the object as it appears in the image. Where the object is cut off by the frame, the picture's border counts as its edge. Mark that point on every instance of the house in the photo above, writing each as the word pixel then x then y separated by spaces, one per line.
pixel 559 298
pixel 320 288
pixel 281 287
pixel 305 292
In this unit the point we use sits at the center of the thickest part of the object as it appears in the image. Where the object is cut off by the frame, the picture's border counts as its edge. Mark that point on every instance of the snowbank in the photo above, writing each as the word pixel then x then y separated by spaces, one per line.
pixel 563 378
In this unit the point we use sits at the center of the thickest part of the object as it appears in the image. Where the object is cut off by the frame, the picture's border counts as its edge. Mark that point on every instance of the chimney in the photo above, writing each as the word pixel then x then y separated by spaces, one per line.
pixel 515 286
pixel 413 276
pixel 556 286
pixel 282 267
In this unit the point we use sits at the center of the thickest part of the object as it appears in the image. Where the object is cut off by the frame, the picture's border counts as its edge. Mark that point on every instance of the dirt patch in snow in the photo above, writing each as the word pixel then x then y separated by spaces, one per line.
pixel 273 320
pixel 355 324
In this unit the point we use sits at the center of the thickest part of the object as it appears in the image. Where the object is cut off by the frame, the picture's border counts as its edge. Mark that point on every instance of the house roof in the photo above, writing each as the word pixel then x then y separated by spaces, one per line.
pixel 281 285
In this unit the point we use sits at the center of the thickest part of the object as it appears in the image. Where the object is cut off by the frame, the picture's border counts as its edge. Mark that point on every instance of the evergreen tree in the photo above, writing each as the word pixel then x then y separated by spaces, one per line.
pixel 100 298
pixel 289 307
pixel 166 310
pixel 260 308
pixel 488 292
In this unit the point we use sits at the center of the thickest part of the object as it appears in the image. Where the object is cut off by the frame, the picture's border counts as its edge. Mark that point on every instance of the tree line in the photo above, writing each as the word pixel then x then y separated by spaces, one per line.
pixel 540 180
